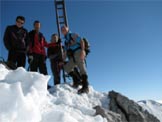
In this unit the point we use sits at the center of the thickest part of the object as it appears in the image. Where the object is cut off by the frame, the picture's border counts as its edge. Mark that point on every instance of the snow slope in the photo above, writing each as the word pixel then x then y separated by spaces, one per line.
pixel 24 98
pixel 153 107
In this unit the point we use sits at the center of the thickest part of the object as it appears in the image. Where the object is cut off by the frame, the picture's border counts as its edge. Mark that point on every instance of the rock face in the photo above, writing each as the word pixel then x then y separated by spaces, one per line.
pixel 109 115
pixel 129 110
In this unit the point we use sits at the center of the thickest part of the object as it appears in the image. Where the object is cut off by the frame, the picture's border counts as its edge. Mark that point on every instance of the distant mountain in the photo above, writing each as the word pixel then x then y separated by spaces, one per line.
pixel 152 107
pixel 159 101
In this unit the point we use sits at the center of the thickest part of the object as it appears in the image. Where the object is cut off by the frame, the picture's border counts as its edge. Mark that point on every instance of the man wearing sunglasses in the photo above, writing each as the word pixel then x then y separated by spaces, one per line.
pixel 16 42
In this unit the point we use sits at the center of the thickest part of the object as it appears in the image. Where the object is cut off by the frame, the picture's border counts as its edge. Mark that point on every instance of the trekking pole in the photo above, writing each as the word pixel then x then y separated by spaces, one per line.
pixel 64 76
pixel 63 70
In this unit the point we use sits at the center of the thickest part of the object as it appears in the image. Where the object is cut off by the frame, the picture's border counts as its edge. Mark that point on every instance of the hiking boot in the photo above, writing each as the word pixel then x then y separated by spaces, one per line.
pixel 75 80
pixel 84 88
pixel 75 85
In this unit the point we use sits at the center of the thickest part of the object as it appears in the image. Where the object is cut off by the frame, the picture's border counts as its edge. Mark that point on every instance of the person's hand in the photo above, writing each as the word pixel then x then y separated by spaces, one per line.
pixel 61 64
pixel 82 55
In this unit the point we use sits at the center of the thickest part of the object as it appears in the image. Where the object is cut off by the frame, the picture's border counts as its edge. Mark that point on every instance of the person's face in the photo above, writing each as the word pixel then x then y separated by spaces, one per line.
pixel 54 39
pixel 19 23
pixel 64 30
pixel 37 26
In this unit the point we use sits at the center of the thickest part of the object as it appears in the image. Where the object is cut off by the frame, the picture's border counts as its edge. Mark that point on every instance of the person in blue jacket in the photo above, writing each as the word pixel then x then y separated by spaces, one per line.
pixel 75 50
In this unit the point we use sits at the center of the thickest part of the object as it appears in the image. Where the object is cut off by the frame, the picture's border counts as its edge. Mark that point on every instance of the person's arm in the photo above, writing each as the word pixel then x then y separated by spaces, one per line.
pixel 45 44
pixel 82 55
pixel 27 40
pixel 51 45
pixel 6 39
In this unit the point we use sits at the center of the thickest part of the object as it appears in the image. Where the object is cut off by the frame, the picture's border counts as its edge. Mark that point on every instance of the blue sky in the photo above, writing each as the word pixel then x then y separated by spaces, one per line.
pixel 125 38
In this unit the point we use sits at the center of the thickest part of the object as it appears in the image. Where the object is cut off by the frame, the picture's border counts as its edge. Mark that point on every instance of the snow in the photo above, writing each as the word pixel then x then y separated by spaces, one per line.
pixel 153 107
pixel 78 108
pixel 22 95
pixel 24 98
pixel 159 101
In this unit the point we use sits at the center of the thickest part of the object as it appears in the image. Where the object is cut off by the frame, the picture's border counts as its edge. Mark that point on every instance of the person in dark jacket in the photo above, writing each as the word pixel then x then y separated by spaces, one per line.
pixel 16 42
pixel 54 54
pixel 37 52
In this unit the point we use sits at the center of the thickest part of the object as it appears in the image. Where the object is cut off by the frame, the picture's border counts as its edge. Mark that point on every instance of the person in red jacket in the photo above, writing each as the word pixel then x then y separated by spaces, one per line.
pixel 37 52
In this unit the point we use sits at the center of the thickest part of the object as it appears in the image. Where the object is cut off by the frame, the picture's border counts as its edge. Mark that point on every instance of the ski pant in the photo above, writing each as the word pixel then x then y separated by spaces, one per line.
pixel 56 70
pixel 17 58
pixel 76 61
pixel 39 63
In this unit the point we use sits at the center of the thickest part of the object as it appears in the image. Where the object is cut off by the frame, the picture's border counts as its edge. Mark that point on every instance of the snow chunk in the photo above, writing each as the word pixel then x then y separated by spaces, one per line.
pixel 22 94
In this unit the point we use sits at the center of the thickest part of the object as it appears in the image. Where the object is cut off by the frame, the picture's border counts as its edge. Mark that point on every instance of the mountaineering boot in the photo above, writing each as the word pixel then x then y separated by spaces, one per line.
pixel 77 73
pixel 75 79
pixel 84 88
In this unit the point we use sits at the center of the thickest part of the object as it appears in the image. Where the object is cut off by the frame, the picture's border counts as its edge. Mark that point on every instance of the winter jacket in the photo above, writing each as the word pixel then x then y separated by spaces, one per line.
pixel 37 43
pixel 54 52
pixel 16 39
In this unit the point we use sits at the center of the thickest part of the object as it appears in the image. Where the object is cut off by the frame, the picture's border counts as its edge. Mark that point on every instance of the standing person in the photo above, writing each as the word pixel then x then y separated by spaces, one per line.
pixel 37 52
pixel 16 42
pixel 75 49
pixel 54 54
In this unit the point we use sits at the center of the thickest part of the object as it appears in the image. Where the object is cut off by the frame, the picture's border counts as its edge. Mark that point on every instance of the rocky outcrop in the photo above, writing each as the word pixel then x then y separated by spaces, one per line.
pixel 109 115
pixel 129 110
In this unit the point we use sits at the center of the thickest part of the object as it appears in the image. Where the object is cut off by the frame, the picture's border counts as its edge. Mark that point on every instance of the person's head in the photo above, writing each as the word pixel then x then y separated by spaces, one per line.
pixel 20 20
pixel 64 30
pixel 37 25
pixel 54 38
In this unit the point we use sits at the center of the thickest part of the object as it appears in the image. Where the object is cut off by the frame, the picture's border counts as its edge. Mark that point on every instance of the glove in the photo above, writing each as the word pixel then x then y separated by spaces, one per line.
pixel 30 58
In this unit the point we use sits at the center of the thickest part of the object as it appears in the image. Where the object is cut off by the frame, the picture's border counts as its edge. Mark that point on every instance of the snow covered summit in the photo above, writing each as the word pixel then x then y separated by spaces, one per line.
pixel 24 98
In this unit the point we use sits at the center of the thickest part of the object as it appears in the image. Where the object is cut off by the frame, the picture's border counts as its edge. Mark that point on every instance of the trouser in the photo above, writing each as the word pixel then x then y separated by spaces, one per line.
pixel 38 63
pixel 56 70
pixel 17 58
pixel 69 67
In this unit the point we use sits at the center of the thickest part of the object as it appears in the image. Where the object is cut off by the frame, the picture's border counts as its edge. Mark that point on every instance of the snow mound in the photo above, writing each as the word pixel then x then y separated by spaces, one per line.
pixel 22 94
pixel 153 107
pixel 24 98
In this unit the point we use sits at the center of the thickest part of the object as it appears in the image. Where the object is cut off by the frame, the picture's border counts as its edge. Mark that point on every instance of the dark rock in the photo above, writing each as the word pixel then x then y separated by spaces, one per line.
pixel 129 110
pixel 109 115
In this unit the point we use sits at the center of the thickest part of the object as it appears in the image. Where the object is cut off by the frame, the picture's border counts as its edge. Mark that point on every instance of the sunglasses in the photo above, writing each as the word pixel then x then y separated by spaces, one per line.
pixel 20 22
